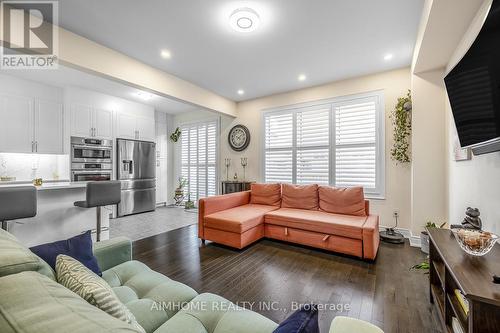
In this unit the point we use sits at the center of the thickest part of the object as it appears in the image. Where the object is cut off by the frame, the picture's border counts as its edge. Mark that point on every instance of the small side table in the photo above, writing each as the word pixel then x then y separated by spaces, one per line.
pixel 232 186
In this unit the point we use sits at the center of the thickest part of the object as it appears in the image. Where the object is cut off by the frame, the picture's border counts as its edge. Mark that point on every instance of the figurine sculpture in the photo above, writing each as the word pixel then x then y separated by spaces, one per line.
pixel 472 219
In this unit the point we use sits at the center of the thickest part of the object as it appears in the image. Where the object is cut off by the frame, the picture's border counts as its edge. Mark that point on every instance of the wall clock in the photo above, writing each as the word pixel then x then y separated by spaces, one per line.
pixel 239 138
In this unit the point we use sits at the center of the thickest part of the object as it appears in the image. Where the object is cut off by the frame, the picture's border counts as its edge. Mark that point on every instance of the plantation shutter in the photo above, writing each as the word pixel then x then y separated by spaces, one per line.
pixel 278 129
pixel 313 138
pixel 199 159
pixel 356 143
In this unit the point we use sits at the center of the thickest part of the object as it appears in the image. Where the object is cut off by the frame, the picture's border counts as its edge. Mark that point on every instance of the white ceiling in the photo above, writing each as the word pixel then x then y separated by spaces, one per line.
pixel 327 40
pixel 66 76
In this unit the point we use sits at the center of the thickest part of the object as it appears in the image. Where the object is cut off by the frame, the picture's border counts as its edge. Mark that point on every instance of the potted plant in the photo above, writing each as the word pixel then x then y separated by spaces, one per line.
pixel 179 191
pixel 424 236
pixel 189 204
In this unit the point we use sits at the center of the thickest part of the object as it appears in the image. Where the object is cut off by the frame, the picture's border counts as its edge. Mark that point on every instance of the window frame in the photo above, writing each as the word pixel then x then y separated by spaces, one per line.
pixel 178 150
pixel 378 96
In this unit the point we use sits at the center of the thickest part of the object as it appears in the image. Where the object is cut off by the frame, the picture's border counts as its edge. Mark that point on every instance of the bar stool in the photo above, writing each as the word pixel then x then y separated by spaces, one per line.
pixel 16 202
pixel 101 193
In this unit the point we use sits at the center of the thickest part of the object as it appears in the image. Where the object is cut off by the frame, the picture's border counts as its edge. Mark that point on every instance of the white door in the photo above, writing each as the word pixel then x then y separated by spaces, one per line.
pixel 103 123
pixel 126 126
pixel 146 128
pixel 16 124
pixel 81 120
pixel 49 127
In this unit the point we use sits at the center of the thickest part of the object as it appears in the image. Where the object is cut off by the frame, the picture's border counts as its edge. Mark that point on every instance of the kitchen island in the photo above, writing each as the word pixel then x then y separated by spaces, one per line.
pixel 57 218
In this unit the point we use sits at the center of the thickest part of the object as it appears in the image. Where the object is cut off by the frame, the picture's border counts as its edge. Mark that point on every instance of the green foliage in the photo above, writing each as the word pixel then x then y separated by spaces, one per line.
pixel 430 224
pixel 401 121
pixel 424 265
pixel 182 182
pixel 176 135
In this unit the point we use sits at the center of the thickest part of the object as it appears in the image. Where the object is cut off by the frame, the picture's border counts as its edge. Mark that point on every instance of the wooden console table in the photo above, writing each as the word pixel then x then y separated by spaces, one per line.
pixel 451 268
pixel 229 186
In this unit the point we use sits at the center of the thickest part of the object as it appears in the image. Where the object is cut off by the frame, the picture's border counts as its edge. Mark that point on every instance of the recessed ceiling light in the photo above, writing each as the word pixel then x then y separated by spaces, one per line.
pixel 165 54
pixel 241 92
pixel 144 96
pixel 244 20
pixel 388 56
pixel 302 77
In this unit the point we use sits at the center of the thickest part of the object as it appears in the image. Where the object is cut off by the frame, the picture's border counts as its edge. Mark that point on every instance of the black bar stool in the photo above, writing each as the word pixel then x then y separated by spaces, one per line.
pixel 16 202
pixel 101 193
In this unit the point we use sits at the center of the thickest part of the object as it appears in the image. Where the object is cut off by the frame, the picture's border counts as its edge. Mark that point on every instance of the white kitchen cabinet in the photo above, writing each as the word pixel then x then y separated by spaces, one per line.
pixel 145 129
pixel 48 127
pixel 29 125
pixel 103 123
pixel 16 124
pixel 81 120
pixel 135 127
pixel 87 121
pixel 126 126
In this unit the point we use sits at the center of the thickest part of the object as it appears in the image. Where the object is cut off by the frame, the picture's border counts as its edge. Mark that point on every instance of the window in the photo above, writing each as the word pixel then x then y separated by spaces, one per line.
pixel 337 142
pixel 199 158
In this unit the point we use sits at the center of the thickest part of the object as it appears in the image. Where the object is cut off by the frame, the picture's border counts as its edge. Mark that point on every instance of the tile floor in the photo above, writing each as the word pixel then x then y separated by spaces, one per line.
pixel 144 225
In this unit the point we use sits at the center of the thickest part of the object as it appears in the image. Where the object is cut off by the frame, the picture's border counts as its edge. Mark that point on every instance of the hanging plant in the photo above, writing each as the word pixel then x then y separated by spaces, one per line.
pixel 401 122
pixel 176 135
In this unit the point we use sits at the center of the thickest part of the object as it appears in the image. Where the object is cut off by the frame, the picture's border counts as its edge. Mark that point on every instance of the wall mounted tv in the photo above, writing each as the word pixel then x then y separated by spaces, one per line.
pixel 473 87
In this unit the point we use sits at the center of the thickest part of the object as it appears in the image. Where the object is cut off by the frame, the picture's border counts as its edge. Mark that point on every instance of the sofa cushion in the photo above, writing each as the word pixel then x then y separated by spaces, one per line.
pixel 209 313
pixel 299 196
pixel 16 258
pixel 238 219
pixel 318 221
pixel 82 281
pixel 31 302
pixel 78 247
pixel 266 194
pixel 348 201
pixel 152 297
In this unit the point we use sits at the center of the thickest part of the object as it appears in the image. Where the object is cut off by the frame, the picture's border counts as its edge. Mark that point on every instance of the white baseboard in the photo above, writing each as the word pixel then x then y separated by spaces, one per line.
pixel 414 240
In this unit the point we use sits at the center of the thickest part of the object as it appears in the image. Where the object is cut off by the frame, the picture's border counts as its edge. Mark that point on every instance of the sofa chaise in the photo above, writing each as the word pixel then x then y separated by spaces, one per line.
pixel 335 219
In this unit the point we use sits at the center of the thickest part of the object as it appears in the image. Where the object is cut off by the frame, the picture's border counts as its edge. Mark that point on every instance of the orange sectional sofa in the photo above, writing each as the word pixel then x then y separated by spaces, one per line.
pixel 335 219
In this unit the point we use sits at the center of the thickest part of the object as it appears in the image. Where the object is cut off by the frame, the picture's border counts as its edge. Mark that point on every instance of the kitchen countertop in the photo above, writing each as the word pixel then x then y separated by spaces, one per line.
pixel 47 186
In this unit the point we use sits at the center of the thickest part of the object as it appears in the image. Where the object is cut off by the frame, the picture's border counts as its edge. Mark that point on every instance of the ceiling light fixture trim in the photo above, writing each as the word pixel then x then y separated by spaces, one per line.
pixel 244 20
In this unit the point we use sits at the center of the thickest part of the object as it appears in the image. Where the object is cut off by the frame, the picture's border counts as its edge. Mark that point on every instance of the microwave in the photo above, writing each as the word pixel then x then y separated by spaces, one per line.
pixel 90 150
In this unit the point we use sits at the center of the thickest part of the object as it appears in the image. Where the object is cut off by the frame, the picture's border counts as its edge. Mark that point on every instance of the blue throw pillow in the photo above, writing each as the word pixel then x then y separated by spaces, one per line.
pixel 78 247
pixel 304 320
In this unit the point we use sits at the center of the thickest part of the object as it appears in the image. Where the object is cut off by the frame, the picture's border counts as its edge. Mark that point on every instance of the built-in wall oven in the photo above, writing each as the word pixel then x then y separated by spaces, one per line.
pixel 91 159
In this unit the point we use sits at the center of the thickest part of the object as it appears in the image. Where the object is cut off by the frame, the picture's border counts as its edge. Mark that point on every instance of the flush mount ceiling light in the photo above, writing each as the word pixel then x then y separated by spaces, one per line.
pixel 244 20
pixel 241 92
pixel 302 77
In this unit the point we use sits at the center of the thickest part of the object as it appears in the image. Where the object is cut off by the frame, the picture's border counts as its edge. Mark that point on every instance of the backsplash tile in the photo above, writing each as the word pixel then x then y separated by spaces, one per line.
pixel 26 167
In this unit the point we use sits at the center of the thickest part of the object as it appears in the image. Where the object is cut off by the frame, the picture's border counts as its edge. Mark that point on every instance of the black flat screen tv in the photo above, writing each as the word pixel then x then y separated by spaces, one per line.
pixel 473 86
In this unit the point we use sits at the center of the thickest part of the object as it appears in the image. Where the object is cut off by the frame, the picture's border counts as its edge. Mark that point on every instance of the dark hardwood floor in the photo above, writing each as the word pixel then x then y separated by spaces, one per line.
pixel 384 292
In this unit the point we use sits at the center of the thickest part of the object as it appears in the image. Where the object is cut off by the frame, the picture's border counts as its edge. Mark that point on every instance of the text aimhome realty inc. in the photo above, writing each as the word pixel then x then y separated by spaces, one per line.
pixel 238 306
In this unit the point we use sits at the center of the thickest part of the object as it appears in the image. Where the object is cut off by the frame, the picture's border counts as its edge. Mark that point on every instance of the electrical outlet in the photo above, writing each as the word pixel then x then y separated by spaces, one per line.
pixel 395 213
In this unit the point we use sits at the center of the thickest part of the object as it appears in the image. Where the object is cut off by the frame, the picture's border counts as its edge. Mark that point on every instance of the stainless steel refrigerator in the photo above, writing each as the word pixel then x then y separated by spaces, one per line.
pixel 137 172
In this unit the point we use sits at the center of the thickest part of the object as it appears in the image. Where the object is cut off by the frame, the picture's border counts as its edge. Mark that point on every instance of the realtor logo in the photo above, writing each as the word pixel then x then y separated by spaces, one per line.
pixel 29 36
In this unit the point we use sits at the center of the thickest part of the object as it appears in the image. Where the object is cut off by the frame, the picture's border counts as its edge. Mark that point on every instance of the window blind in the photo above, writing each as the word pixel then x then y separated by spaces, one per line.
pixel 198 159
pixel 336 143
pixel 355 141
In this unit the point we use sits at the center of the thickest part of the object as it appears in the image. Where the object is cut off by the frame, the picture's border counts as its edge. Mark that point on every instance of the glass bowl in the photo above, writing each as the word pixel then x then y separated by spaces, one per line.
pixel 475 242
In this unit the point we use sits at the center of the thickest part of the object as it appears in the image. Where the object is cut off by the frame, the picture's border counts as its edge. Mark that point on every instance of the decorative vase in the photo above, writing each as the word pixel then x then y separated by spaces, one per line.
pixel 424 242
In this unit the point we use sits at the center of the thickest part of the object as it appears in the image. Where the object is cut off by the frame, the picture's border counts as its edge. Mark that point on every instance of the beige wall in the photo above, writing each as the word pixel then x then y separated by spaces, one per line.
pixel 393 83
pixel 429 180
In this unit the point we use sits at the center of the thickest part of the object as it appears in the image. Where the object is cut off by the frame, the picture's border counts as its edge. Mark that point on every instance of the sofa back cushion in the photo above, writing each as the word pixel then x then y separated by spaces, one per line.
pixel 266 194
pixel 299 196
pixel 16 258
pixel 347 201
pixel 31 302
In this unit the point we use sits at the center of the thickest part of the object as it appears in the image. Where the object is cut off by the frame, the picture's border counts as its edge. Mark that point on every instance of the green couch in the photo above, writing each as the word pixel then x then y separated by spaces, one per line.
pixel 32 301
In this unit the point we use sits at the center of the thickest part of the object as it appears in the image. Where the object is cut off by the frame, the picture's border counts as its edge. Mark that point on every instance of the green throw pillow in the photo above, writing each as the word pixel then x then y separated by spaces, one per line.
pixel 92 288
